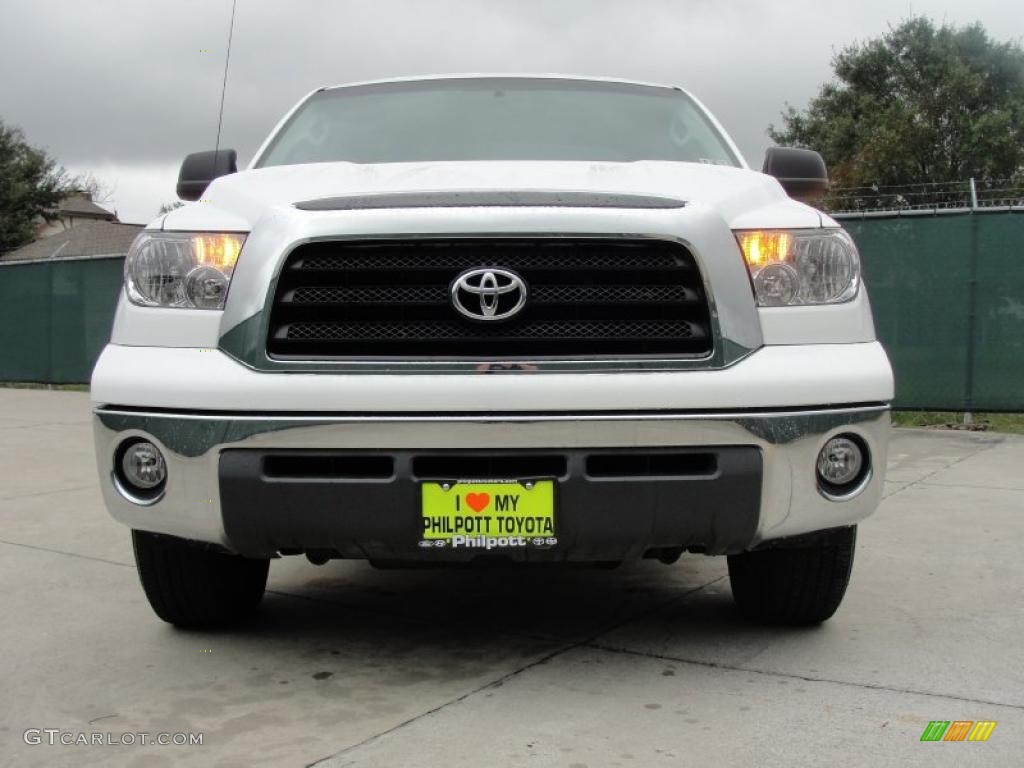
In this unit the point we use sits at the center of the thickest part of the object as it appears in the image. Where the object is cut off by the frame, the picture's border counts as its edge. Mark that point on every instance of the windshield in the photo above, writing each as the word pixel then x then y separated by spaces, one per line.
pixel 497 119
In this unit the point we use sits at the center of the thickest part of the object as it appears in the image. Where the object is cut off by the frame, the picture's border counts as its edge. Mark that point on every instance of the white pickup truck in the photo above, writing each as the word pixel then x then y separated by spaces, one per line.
pixel 542 319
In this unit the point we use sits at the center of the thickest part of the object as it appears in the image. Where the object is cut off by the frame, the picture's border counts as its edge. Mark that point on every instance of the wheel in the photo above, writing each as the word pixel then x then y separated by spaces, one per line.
pixel 190 584
pixel 798 584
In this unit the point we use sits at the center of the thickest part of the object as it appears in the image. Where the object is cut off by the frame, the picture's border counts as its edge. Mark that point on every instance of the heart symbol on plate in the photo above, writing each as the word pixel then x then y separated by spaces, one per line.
pixel 478 501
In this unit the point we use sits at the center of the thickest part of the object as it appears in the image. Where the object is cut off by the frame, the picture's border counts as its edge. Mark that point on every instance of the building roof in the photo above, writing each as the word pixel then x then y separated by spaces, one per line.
pixel 91 238
pixel 80 205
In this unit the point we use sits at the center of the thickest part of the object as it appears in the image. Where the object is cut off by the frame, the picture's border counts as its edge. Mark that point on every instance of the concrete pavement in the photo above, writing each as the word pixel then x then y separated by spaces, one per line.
pixel 646 665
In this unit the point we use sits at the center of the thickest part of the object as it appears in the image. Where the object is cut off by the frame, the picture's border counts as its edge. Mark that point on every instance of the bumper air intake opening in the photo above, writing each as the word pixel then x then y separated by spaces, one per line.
pixel 648 465
pixel 312 466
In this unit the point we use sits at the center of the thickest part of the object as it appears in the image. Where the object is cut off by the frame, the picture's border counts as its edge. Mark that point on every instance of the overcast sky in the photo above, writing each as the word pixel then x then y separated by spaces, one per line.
pixel 125 88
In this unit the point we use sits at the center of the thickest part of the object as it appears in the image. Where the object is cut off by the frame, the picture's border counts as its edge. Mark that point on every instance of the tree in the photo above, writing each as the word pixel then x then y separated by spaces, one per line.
pixel 89 186
pixel 168 207
pixel 31 185
pixel 922 103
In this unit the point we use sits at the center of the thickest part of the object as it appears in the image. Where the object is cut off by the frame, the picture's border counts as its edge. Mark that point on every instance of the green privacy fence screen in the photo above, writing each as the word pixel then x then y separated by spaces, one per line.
pixel 947 292
pixel 55 317
pixel 948 296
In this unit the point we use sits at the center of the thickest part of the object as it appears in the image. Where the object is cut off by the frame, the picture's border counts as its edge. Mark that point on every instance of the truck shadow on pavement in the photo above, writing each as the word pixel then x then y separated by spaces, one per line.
pixel 644 608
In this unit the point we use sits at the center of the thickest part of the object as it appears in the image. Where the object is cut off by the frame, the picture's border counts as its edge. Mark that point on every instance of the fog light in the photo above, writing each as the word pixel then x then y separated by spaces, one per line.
pixel 841 463
pixel 143 466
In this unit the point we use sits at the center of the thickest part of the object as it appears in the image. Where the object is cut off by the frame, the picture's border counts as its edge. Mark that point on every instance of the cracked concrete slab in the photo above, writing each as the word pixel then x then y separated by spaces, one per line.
pixel 935 586
pixel 303 681
pixel 643 665
pixel 921 453
pixel 998 467
pixel 73 521
pixel 590 708
pixel 44 459
pixel 40 406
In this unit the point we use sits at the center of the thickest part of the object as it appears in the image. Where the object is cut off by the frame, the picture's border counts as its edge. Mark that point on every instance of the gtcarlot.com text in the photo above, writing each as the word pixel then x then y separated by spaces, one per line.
pixel 56 736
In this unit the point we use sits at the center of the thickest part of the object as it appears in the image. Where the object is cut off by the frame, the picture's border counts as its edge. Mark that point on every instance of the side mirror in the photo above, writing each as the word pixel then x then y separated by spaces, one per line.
pixel 201 168
pixel 801 172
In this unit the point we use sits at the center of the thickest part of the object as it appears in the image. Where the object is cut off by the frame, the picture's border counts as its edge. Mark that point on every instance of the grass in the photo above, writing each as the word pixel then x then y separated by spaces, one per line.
pixel 989 422
pixel 37 385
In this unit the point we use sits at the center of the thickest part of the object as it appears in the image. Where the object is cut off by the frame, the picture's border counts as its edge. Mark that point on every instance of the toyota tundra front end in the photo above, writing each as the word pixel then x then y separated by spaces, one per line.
pixel 469 318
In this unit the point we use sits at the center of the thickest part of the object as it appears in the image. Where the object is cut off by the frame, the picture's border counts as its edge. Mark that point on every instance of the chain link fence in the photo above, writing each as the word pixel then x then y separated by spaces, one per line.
pixel 930 198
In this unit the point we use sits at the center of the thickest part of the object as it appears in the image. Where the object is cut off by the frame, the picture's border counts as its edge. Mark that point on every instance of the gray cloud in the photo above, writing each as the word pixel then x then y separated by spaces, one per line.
pixel 122 88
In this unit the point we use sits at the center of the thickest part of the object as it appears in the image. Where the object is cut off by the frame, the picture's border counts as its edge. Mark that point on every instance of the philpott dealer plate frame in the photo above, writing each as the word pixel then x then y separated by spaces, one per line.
pixel 488 514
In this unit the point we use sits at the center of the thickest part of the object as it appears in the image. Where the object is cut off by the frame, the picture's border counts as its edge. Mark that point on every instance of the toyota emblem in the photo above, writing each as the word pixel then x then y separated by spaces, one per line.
pixel 488 293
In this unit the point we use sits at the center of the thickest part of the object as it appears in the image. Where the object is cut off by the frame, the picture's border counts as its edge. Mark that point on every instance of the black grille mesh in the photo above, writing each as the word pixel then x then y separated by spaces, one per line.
pixel 371 294
pixel 452 255
pixel 587 297
pixel 428 330
pixel 545 294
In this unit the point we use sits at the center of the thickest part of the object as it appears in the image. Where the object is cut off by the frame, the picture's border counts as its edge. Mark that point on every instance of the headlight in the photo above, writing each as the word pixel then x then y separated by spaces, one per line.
pixel 793 267
pixel 191 270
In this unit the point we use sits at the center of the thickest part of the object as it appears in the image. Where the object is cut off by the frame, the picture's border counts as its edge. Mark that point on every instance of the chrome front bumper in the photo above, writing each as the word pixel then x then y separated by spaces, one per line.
pixel 789 441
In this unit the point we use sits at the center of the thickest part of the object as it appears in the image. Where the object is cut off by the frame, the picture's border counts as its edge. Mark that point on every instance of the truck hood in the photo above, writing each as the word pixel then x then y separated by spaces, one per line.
pixel 743 198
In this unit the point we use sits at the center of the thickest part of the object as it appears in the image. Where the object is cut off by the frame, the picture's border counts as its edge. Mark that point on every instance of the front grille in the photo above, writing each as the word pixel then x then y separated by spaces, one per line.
pixel 587 298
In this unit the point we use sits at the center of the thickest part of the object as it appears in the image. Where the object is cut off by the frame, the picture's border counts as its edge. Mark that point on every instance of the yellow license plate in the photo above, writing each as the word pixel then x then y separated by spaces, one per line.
pixel 488 515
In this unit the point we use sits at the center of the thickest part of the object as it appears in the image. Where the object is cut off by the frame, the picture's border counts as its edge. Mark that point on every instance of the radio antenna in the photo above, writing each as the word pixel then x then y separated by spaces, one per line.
pixel 224 85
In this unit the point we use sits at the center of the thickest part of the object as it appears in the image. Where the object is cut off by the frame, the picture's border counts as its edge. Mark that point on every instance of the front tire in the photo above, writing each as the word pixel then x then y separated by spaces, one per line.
pixel 190 584
pixel 795 585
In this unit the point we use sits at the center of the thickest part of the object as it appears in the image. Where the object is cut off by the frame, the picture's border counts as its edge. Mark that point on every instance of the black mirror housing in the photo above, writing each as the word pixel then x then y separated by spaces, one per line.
pixel 801 172
pixel 200 168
